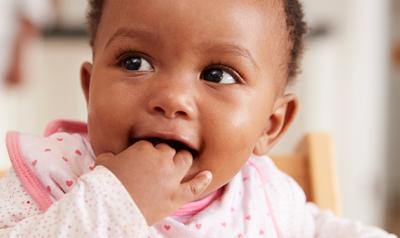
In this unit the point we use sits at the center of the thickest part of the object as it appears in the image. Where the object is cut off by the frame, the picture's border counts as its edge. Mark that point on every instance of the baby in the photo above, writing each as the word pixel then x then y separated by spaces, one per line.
pixel 184 100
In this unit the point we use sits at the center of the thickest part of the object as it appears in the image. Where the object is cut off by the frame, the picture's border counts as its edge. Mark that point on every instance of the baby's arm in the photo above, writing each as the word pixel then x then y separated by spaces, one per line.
pixel 329 226
pixel 97 206
pixel 15 203
pixel 141 185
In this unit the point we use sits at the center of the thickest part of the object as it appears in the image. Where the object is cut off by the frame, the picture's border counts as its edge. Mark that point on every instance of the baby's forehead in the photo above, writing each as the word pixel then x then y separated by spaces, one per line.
pixel 206 14
pixel 255 29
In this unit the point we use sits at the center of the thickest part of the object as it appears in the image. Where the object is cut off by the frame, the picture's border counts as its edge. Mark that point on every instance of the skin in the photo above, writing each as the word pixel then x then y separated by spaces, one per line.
pixel 178 42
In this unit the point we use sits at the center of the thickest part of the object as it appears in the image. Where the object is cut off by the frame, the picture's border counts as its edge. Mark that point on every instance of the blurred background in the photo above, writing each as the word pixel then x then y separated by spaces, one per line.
pixel 350 88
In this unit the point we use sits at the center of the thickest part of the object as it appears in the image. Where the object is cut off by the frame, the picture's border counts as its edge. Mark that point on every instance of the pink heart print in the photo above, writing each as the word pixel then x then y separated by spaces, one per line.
pixel 78 152
pixel 69 183
pixel 167 227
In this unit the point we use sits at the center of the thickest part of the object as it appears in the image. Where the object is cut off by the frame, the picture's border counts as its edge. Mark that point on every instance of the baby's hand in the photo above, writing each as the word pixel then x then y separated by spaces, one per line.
pixel 153 177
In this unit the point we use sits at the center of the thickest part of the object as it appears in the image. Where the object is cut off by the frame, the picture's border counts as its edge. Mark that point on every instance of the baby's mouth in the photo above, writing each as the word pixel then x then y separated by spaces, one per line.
pixel 175 144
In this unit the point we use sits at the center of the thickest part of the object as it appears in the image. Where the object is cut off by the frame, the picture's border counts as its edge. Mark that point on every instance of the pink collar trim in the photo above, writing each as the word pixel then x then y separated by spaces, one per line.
pixel 69 126
pixel 192 208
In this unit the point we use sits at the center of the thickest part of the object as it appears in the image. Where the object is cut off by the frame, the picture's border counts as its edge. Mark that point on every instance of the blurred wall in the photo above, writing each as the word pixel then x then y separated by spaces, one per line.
pixel 393 208
pixel 51 89
pixel 344 90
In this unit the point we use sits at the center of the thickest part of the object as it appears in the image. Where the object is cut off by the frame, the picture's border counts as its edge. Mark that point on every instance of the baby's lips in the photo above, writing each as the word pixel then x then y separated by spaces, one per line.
pixel 175 140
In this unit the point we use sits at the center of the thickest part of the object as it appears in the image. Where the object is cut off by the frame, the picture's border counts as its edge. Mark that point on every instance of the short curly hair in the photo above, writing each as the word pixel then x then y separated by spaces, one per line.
pixel 296 26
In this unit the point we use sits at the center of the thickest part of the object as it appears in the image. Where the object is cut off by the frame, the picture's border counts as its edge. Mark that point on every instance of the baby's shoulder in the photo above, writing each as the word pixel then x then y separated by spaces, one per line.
pixel 272 177
pixel 64 142
pixel 286 197
pixel 34 151
pixel 276 182
pixel 48 165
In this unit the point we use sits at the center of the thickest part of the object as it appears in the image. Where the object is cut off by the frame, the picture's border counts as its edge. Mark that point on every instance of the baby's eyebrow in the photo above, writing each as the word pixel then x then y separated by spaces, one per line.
pixel 211 46
pixel 133 33
pixel 226 47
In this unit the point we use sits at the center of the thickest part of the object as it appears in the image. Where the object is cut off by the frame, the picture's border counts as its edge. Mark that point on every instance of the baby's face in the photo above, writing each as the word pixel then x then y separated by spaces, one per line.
pixel 209 74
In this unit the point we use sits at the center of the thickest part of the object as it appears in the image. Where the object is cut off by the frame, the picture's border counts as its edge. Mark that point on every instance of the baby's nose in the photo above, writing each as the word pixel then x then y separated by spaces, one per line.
pixel 173 100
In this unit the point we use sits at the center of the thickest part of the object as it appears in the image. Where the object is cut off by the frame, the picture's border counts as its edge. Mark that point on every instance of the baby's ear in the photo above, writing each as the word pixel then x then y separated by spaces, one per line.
pixel 86 74
pixel 285 110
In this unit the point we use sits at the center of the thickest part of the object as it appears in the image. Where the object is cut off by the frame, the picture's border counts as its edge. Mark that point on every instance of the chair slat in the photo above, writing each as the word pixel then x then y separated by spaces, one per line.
pixel 312 166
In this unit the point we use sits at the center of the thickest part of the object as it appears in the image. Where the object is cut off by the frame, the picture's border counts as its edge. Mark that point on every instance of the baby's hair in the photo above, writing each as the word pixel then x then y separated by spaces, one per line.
pixel 296 26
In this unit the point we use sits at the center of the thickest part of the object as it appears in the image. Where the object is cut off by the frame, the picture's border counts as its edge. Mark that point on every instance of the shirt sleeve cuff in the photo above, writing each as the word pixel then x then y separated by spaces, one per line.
pixel 124 209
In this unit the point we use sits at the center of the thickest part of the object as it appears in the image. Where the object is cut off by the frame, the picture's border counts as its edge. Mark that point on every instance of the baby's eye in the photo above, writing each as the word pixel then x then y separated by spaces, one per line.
pixel 136 63
pixel 218 75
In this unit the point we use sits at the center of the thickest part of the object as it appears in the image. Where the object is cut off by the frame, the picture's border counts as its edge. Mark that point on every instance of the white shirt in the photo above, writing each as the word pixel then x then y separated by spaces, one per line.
pixel 260 201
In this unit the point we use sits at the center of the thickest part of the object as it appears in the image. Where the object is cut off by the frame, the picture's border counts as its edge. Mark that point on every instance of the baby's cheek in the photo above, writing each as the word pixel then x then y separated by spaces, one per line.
pixel 244 131
pixel 239 119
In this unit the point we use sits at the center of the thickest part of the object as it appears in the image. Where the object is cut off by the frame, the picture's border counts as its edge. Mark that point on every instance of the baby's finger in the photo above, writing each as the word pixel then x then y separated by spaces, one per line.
pixel 195 186
pixel 140 146
pixel 183 160
pixel 103 158
pixel 168 150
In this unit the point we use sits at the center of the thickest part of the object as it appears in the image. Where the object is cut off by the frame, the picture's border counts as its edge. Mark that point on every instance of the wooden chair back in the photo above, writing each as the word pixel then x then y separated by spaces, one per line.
pixel 312 166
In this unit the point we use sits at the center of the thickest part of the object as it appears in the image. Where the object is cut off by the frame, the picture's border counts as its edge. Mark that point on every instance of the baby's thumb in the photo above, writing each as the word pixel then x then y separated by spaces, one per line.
pixel 196 186
pixel 102 159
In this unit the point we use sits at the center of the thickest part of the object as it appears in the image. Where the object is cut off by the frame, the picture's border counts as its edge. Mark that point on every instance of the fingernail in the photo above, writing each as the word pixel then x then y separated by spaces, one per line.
pixel 207 176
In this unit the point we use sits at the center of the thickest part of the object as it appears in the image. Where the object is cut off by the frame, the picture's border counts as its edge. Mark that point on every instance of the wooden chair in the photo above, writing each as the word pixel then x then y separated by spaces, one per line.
pixel 313 167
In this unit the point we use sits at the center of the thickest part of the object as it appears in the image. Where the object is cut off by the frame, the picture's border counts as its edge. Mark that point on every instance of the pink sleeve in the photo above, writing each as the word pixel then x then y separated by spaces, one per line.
pixel 97 206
